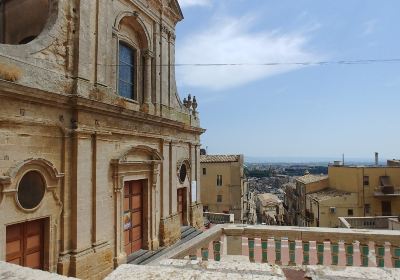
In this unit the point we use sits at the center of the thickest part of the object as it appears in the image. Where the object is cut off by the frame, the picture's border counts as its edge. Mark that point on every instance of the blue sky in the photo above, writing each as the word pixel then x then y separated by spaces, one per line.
pixel 289 110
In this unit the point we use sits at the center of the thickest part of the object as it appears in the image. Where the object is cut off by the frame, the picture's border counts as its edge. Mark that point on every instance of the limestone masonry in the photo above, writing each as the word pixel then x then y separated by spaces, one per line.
pixel 99 157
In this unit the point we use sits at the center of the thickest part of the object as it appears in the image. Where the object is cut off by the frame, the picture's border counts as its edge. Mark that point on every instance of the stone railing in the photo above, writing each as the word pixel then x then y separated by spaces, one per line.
pixel 294 246
pixel 377 222
pixel 387 191
pixel 394 224
pixel 219 218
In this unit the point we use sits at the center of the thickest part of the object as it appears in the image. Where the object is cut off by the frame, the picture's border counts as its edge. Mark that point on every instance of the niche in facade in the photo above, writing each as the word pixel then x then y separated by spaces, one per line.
pixel 21 21
pixel 31 190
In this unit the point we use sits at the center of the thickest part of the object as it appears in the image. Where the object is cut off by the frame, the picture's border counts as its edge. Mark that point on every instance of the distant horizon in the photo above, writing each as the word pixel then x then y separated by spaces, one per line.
pixel 304 160
pixel 305 78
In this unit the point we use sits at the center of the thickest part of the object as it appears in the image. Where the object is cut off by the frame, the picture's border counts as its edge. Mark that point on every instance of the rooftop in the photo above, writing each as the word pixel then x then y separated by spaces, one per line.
pixel 219 158
pixel 289 185
pixel 327 193
pixel 268 199
pixel 310 178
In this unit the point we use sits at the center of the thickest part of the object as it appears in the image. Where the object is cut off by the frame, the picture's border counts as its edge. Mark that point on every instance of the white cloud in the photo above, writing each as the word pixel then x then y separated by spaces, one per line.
pixel 231 41
pixel 370 27
pixel 188 3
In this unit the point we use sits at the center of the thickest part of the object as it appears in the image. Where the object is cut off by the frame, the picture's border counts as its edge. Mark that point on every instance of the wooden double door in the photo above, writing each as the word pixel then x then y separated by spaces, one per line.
pixel 133 216
pixel 25 244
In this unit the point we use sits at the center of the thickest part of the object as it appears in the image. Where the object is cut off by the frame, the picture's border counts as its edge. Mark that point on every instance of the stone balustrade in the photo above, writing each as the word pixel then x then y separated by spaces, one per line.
pixel 219 218
pixel 377 222
pixel 295 246
pixel 394 223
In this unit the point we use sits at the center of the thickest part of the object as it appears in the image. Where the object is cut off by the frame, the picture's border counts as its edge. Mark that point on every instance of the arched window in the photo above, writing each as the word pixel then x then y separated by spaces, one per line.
pixel 127 71
pixel 21 21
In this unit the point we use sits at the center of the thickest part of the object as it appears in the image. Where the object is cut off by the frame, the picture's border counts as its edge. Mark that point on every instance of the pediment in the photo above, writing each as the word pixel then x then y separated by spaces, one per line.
pixel 139 154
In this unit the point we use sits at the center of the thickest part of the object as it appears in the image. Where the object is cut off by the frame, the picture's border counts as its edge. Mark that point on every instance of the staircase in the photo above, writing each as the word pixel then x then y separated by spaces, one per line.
pixel 143 257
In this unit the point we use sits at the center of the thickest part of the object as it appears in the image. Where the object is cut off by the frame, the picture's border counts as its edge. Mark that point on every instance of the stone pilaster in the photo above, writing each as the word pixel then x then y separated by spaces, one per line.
pixel 196 215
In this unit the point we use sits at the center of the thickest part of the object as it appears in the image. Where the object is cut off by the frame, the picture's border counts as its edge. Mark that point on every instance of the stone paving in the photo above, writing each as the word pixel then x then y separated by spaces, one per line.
pixel 15 272
pixel 232 268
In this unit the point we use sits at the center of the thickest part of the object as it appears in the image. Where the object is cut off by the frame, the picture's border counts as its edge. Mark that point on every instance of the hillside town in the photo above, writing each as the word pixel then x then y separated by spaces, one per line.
pixel 115 164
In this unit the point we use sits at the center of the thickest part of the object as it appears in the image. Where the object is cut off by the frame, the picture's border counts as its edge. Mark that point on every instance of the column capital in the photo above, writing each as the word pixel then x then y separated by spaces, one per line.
pixel 148 53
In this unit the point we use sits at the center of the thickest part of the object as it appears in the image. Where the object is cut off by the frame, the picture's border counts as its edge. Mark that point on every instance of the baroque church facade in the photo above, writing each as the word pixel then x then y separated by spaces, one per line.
pixel 99 157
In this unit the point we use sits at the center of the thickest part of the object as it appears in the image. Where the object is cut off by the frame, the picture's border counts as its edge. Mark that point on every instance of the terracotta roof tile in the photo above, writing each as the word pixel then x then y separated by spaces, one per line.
pixel 327 194
pixel 309 178
pixel 219 158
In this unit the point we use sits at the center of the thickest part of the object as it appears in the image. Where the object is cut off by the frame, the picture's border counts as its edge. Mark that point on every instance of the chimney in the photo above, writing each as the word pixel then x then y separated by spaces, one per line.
pixel 376 159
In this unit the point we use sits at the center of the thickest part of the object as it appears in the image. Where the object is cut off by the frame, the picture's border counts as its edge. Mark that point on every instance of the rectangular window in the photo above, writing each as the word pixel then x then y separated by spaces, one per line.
pixel 367 208
pixel 366 180
pixel 219 198
pixel 350 212
pixel 126 74
pixel 204 171
pixel 219 180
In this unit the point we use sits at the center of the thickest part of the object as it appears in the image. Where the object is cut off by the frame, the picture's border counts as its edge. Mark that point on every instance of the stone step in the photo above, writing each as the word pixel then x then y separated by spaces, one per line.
pixel 143 257
pixel 191 234
pixel 136 255
pixel 187 232
pixel 186 269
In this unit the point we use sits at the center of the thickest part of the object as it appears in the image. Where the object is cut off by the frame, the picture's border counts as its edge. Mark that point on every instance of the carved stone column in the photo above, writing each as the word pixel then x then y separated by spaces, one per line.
pixel 146 106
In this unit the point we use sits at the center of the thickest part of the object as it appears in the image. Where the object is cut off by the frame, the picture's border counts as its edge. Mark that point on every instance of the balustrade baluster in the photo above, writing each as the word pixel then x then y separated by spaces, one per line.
pixel 335 252
pixel 217 250
pixel 380 254
pixel 349 250
pixel 364 252
pixel 193 256
pixel 292 252
pixel 264 250
pixel 251 244
pixel 204 253
pixel 306 252
pixel 320 253
pixel 278 251
pixel 395 251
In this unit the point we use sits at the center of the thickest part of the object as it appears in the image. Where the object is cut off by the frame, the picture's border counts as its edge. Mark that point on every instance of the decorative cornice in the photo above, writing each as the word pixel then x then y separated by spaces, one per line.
pixel 82 103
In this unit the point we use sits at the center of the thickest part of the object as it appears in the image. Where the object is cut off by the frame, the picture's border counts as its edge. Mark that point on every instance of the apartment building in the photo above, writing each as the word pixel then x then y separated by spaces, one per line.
pixel 225 188
pixel 347 191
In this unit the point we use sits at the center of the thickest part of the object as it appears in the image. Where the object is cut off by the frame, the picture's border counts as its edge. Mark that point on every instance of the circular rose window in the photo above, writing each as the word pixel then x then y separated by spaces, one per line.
pixel 182 173
pixel 31 190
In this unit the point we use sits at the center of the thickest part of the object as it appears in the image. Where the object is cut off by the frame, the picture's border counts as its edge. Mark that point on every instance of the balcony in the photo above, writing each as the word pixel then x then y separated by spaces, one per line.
pixel 263 252
pixel 377 222
pixel 293 246
pixel 387 191
pixel 219 218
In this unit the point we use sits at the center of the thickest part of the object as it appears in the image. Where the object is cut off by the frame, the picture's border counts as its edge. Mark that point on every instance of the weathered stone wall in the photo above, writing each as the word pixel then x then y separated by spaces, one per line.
pixel 170 230
pixel 63 111
pixel 93 264
pixel 196 216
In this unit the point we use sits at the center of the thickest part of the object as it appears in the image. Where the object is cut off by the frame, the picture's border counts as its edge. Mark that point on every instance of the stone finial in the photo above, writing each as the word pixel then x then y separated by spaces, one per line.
pixel 189 101
pixel 194 105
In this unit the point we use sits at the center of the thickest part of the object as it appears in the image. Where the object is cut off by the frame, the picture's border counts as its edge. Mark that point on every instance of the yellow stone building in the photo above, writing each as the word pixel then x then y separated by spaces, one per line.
pixel 225 188
pixel 347 191
pixel 98 155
